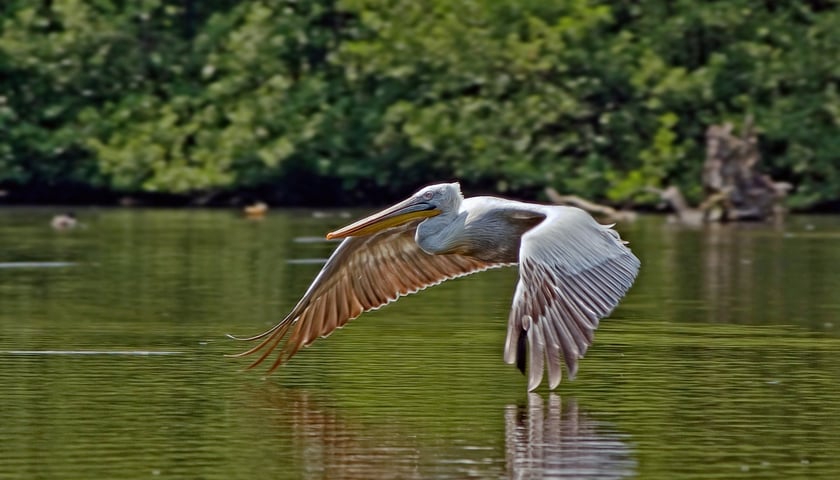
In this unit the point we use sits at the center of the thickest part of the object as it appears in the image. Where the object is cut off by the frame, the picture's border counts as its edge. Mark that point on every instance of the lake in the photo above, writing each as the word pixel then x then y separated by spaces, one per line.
pixel 722 362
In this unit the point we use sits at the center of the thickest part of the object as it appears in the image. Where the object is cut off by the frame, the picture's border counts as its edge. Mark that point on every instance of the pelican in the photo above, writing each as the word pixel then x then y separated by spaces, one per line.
pixel 572 272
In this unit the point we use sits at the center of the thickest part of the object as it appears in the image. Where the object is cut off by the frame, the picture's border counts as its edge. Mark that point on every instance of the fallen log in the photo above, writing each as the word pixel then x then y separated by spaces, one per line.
pixel 604 211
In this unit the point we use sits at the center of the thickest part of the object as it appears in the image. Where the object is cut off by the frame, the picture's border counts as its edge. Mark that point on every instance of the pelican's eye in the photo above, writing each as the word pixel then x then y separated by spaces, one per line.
pixel 428 195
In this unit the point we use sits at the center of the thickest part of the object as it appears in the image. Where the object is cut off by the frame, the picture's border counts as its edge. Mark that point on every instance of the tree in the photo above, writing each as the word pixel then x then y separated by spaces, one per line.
pixel 599 99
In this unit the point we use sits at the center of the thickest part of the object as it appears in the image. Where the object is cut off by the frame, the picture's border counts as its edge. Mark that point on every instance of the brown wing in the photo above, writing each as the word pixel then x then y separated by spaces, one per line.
pixel 364 273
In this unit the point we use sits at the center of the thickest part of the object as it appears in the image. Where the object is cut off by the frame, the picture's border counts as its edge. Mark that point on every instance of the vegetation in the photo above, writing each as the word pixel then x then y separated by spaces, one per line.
pixel 594 98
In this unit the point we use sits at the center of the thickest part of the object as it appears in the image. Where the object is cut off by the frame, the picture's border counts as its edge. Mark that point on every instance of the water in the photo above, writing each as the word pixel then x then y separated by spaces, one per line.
pixel 723 361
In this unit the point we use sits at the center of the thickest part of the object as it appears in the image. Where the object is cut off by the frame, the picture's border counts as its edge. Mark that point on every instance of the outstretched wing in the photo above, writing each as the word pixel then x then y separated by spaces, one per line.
pixel 572 272
pixel 363 273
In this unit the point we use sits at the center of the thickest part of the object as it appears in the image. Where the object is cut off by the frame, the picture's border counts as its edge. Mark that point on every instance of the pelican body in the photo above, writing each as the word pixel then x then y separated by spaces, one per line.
pixel 572 272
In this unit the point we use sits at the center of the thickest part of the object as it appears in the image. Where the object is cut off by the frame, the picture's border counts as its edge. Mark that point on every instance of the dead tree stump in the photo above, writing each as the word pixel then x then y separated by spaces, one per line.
pixel 731 177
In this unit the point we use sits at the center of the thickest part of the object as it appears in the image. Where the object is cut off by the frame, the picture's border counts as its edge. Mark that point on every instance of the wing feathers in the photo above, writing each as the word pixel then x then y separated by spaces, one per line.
pixel 553 360
pixel 536 343
pixel 331 314
pixel 364 273
pixel 573 271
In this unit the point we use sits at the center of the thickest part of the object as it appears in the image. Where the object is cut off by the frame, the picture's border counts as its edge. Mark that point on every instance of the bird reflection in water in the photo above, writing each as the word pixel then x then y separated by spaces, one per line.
pixel 556 440
pixel 542 440
pixel 330 443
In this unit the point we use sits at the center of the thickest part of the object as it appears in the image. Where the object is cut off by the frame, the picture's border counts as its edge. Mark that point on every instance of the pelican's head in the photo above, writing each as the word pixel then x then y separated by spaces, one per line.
pixel 427 202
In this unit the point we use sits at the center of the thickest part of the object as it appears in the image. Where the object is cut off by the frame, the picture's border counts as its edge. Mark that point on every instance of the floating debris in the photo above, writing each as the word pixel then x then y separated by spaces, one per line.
pixel 130 353
pixel 323 214
pixel 64 221
pixel 315 240
pixel 255 210
pixel 36 264
pixel 306 261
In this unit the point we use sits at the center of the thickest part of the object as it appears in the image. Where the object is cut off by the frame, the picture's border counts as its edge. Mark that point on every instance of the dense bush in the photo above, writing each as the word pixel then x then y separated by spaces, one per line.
pixel 595 98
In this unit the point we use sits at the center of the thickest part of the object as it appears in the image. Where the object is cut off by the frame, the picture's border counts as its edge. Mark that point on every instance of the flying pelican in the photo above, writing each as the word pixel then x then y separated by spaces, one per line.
pixel 572 272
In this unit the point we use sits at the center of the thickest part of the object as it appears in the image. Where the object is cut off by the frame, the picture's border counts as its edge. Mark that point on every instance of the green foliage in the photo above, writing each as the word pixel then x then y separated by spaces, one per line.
pixel 595 98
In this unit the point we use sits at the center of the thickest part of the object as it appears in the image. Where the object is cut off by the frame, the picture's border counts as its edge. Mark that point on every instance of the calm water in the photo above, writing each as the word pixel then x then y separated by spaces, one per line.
pixel 723 361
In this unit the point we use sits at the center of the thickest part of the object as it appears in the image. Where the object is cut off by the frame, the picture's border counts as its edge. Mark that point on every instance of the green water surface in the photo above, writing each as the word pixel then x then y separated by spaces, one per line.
pixel 722 362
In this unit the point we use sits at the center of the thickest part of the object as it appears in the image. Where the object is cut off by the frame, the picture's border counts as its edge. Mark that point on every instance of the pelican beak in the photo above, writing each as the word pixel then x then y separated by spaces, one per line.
pixel 390 217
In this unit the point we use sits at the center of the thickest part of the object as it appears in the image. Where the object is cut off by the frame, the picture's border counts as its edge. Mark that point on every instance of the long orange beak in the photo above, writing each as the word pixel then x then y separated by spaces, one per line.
pixel 390 217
